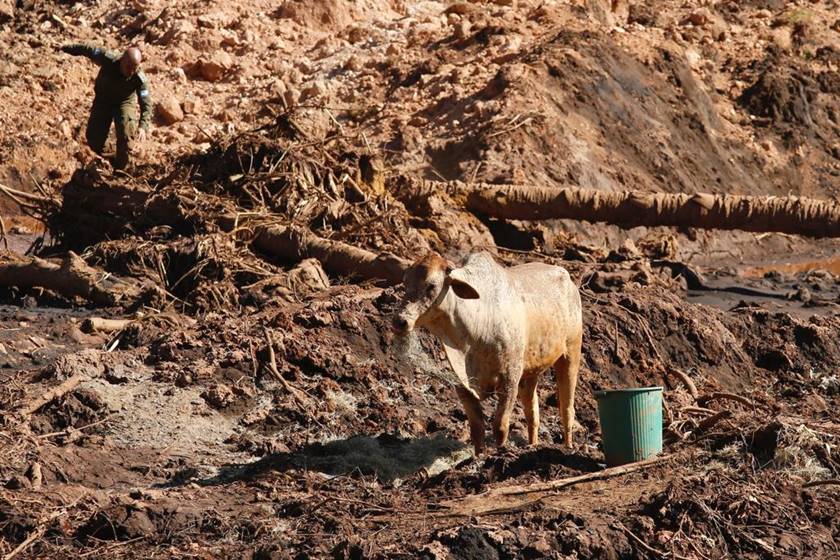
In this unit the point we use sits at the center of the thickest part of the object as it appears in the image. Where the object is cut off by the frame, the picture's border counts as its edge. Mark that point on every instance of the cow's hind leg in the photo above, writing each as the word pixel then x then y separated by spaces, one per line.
pixel 531 404
pixel 472 406
pixel 565 376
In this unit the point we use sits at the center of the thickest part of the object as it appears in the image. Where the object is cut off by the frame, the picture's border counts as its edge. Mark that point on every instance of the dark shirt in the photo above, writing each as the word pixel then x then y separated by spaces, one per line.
pixel 111 86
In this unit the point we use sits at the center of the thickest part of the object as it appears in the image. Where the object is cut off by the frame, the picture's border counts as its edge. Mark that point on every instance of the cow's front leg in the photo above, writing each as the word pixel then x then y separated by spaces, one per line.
pixel 531 403
pixel 472 406
pixel 507 392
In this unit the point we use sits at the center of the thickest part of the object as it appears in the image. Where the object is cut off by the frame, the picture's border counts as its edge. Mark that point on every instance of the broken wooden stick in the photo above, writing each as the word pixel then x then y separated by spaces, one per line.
pixel 20 197
pixel 103 325
pixel 492 501
pixel 292 243
pixel 34 535
pixel 685 379
pixel 299 396
pixel 71 277
pixel 697 410
pixel 29 196
pixel 703 400
pixel 707 423
pixel 827 482
pixel 646 546
pixel 558 484
pixel 75 433
pixel 58 391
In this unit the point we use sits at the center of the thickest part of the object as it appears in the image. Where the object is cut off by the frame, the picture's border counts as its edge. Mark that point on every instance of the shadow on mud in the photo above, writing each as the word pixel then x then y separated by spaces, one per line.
pixel 385 456
pixel 546 462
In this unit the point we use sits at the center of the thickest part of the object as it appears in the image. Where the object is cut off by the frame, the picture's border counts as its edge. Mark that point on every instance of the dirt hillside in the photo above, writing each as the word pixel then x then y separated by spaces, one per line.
pixel 203 365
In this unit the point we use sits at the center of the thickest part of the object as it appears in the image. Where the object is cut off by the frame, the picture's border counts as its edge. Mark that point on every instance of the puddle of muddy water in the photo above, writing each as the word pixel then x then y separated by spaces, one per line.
pixel 831 265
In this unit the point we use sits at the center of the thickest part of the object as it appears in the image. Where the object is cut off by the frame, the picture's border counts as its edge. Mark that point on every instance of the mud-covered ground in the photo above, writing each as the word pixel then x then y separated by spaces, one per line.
pixel 179 443
pixel 186 437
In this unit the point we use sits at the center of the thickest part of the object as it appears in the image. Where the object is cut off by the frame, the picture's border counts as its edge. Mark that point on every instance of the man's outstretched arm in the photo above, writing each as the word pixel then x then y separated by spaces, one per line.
pixel 145 100
pixel 96 54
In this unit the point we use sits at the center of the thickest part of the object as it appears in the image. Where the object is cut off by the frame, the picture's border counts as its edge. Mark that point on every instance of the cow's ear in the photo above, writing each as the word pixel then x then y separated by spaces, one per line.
pixel 461 288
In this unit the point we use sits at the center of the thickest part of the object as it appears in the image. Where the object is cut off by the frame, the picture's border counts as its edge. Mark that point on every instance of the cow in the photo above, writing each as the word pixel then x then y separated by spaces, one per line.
pixel 501 328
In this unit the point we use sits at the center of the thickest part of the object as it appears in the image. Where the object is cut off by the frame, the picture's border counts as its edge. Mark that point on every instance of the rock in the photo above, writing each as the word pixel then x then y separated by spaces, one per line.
pixel 294 76
pixel 357 34
pixel 643 14
pixel 317 89
pixel 354 64
pixel 191 106
pixel 462 29
pixel 719 29
pixel 460 8
pixel 309 277
pixel 168 111
pixel 278 88
pixel 698 18
pixel 782 38
pixel 7 10
pixel 600 11
pixel 206 21
pixel 225 115
pixel 229 38
pixel 118 523
pixel 218 396
pixel 179 75
pixel 692 57
pixel 305 68
pixel 34 474
pixel 803 294
pixel 176 31
pixel 620 11
pixel 292 96
pixel 256 415
pixel 66 129
pixel 214 69
pixel 789 543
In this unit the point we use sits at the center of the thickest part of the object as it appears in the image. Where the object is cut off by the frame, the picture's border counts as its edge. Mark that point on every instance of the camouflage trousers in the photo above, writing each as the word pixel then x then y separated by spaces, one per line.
pixel 124 118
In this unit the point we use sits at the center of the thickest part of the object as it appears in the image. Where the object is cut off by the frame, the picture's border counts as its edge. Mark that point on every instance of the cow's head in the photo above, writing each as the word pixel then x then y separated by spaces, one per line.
pixel 426 285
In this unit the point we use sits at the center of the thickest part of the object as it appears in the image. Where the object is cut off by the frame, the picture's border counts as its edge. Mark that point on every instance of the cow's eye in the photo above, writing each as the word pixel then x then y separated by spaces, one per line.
pixel 430 290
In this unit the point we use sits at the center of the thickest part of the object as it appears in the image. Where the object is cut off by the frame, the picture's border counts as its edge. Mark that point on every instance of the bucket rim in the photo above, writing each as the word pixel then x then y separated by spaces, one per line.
pixel 605 392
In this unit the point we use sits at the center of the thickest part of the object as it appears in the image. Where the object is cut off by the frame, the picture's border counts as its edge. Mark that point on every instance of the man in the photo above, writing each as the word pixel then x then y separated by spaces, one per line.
pixel 118 80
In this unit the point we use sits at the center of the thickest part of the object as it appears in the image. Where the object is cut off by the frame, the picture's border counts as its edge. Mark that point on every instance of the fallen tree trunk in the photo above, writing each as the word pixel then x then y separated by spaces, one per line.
pixel 71 277
pixel 793 215
pixel 295 244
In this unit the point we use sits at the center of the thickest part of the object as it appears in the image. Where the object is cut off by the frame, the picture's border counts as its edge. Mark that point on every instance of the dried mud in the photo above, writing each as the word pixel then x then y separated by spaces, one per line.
pixel 188 437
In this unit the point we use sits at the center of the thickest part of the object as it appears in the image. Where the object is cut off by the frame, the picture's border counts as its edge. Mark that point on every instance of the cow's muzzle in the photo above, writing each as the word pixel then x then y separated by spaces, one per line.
pixel 400 324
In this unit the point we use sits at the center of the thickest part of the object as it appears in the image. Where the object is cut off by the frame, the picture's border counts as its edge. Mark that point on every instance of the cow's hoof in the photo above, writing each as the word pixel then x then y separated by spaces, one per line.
pixel 504 452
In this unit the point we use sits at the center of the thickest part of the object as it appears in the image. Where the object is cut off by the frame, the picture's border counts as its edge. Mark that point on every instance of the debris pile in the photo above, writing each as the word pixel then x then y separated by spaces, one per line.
pixel 200 361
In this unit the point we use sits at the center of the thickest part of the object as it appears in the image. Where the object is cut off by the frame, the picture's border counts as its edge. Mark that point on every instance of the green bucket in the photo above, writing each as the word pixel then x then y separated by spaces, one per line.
pixel 631 423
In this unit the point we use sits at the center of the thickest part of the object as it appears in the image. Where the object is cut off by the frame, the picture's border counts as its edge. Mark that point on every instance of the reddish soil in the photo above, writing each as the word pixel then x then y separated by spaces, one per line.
pixel 181 442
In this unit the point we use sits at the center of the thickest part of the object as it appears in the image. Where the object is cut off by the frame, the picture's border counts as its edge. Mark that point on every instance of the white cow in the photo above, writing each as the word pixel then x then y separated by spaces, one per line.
pixel 501 328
